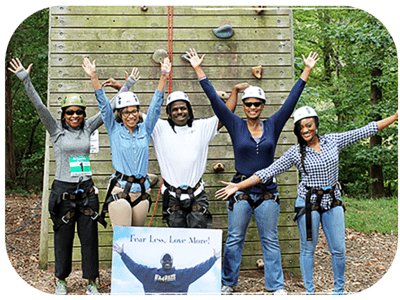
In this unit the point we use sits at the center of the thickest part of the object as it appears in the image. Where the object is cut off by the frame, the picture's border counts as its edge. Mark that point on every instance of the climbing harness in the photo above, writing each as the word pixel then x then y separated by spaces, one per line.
pixel 317 206
pixel 188 205
pixel 246 195
pixel 139 179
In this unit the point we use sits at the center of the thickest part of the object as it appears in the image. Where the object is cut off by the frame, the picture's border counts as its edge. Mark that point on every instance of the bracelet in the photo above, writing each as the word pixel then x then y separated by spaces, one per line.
pixel 253 180
pixel 202 77
pixel 163 72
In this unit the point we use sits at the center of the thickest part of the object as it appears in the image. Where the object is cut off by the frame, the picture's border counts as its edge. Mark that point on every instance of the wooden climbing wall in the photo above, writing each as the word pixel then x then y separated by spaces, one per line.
pixel 120 38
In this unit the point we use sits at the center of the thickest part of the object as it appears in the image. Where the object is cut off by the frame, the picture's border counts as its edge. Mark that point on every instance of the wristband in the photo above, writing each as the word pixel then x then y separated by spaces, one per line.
pixel 202 77
pixel 163 72
pixel 253 180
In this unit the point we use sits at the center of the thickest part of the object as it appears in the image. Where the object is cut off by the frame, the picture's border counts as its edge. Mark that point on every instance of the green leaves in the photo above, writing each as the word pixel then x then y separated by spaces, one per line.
pixel 351 43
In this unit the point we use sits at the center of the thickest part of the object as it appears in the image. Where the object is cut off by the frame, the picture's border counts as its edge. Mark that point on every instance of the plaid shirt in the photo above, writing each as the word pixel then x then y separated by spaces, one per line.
pixel 322 169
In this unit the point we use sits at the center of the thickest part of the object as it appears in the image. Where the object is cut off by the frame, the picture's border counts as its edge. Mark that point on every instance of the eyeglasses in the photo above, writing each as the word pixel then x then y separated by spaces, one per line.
pixel 249 104
pixel 126 113
pixel 71 112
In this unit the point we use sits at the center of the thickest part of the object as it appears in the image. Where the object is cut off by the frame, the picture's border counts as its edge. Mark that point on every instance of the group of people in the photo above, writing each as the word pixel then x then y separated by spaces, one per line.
pixel 253 190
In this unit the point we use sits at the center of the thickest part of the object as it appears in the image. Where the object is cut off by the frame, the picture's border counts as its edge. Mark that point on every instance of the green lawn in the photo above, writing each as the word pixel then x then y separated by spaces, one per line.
pixel 369 215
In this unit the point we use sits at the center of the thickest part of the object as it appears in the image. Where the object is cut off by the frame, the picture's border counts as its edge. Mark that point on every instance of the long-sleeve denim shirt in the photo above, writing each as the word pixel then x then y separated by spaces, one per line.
pixel 130 152
pixel 322 169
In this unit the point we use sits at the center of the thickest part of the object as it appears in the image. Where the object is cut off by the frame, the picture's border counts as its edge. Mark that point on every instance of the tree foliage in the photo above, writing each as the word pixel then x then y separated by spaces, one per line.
pixel 351 43
pixel 30 44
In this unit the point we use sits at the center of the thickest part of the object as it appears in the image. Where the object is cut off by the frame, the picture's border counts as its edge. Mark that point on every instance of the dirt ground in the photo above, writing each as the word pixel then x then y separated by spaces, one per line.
pixel 368 256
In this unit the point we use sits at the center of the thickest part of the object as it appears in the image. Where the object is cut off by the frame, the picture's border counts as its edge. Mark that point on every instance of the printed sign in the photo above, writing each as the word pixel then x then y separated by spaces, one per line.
pixel 158 260
pixel 80 165
pixel 94 142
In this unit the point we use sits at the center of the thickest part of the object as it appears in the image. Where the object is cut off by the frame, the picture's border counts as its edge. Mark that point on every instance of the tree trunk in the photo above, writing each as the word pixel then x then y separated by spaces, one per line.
pixel 10 155
pixel 376 172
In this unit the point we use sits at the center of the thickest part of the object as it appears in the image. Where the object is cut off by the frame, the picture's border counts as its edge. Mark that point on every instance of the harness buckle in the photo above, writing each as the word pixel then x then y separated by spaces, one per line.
pixel 65 219
pixel 94 215
pixel 65 196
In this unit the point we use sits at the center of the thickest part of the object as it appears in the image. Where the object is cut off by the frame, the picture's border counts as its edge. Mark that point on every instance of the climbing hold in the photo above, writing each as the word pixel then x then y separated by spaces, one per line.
pixel 185 57
pixel 259 9
pixel 223 95
pixel 257 71
pixel 218 167
pixel 144 8
pixel 224 32
pixel 159 55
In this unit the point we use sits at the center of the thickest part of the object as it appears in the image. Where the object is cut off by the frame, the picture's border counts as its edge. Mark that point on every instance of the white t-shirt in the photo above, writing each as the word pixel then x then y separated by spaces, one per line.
pixel 182 156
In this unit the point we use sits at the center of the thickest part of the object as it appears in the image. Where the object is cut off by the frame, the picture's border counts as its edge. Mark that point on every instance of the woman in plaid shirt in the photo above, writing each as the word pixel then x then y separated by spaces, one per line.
pixel 318 200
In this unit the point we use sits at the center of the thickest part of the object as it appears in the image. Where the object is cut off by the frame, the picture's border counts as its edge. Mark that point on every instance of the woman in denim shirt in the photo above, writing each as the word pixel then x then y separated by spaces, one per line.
pixel 128 196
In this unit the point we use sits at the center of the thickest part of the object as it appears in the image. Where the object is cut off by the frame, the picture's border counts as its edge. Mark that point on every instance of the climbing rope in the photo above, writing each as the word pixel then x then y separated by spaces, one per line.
pixel 170 43
pixel 15 231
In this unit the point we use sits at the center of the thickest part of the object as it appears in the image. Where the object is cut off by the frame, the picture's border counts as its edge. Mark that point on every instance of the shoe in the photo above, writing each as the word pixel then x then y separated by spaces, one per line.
pixel 92 289
pixel 61 288
pixel 226 290
pixel 280 292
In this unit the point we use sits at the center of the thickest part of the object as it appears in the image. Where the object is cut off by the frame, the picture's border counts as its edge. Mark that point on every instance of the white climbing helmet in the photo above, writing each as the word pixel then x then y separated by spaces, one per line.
pixel 127 99
pixel 304 112
pixel 254 92
pixel 177 96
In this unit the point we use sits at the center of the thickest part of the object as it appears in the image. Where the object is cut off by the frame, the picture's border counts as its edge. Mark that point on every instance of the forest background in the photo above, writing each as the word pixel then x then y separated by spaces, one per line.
pixel 355 82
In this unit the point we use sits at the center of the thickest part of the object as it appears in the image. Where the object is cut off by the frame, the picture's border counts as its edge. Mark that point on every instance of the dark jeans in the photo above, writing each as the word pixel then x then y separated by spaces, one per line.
pixel 64 232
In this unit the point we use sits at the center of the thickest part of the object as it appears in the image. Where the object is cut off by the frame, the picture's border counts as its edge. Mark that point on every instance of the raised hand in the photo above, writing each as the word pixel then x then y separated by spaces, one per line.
pixel 89 67
pixel 118 249
pixel 311 60
pixel 17 66
pixel 166 67
pixel 194 59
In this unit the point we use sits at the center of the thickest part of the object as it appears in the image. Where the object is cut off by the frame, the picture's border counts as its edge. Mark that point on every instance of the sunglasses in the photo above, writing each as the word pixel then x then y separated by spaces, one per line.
pixel 71 112
pixel 126 113
pixel 249 104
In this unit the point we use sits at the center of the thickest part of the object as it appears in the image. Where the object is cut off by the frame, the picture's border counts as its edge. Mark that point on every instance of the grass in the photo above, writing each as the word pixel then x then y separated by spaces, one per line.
pixel 372 215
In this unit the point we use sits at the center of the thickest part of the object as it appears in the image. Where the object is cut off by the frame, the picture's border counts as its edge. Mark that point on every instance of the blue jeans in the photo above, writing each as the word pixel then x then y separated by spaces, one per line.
pixel 266 215
pixel 333 226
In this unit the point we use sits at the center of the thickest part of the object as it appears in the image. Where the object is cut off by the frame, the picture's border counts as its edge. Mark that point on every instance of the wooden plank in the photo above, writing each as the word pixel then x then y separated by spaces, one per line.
pixel 184 72
pixel 161 21
pixel 160 10
pixel 160 34
pixel 85 86
pixel 217 46
pixel 130 60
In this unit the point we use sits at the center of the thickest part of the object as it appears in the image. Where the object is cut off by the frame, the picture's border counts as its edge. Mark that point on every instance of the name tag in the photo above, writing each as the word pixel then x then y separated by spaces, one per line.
pixel 80 166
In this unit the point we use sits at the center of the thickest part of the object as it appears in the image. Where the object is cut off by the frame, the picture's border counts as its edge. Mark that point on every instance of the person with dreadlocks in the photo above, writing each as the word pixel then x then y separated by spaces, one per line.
pixel 318 201
pixel 73 198
pixel 181 146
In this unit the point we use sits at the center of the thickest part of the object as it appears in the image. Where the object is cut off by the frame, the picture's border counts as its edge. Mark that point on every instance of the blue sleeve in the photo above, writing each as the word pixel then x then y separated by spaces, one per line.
pixel 192 274
pixel 344 139
pixel 283 114
pixel 154 111
pixel 223 113
pixel 96 121
pixel 137 270
pixel 105 109
pixel 281 165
